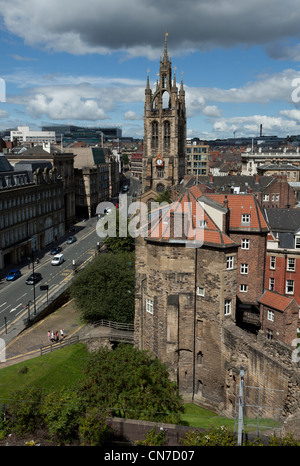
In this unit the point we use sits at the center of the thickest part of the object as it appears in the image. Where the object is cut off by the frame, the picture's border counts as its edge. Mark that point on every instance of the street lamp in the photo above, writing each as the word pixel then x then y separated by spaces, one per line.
pixel 33 283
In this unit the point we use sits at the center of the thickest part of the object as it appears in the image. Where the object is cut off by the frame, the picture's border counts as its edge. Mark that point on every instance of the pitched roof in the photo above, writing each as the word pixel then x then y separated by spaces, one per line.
pixel 275 300
pixel 239 204
pixel 166 224
pixel 284 220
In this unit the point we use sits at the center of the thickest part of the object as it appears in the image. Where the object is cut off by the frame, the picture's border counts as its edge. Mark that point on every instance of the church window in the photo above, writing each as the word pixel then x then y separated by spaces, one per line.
pixel 155 134
pixel 167 133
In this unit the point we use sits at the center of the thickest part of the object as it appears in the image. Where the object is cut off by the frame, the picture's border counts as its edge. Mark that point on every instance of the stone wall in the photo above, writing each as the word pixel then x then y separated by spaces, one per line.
pixel 269 370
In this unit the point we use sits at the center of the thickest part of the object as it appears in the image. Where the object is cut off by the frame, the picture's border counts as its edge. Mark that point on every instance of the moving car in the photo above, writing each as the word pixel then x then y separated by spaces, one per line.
pixel 58 259
pixel 34 278
pixel 71 239
pixel 55 250
pixel 13 275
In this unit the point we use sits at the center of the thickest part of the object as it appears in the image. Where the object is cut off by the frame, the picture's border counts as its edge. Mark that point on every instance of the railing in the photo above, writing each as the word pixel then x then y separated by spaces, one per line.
pixel 77 339
pixel 115 325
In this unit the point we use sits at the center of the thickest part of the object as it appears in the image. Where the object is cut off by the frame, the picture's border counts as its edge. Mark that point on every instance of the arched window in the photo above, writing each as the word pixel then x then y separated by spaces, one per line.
pixel 167 135
pixel 154 134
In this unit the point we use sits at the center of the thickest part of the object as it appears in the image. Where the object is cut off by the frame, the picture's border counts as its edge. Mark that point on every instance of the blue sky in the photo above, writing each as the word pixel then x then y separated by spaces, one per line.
pixel 86 63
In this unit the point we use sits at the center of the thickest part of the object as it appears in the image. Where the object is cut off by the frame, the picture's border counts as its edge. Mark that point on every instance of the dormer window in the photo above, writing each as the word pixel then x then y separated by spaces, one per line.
pixel 297 242
pixel 245 219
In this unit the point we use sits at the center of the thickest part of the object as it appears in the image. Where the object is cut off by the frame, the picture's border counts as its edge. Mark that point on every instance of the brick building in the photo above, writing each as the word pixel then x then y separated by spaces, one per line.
pixel 270 191
pixel 279 316
pixel 248 228
pixel 282 272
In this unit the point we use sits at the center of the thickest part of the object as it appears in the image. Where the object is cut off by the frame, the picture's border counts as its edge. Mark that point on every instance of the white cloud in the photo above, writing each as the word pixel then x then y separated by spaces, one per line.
pixel 212 111
pixel 250 125
pixel 130 115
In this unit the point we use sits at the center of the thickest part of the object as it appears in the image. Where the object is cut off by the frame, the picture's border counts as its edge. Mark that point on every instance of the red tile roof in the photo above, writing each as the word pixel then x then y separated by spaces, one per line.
pixel 199 225
pixel 275 300
pixel 239 204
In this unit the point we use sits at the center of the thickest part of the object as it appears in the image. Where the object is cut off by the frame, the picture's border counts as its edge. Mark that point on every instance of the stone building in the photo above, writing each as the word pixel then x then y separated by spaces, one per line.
pixel 64 165
pixel 32 211
pixel 164 132
pixel 97 178
pixel 185 292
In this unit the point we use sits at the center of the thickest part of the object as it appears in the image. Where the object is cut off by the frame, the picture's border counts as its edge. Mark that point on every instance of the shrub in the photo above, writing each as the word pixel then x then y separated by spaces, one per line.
pixel 62 410
pixel 216 436
pixel 154 438
pixel 24 411
pixel 94 428
pixel 287 441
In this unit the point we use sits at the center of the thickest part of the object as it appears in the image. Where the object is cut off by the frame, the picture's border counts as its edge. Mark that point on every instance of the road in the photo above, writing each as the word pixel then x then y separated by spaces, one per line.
pixel 17 295
pixel 19 300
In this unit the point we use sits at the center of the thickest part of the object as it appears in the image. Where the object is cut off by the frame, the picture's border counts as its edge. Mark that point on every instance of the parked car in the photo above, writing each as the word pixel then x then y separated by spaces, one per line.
pixel 71 239
pixel 13 275
pixel 55 250
pixel 58 259
pixel 34 278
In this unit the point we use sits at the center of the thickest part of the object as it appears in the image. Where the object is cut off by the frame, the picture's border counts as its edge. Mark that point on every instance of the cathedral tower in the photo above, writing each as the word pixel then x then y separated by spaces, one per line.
pixel 164 131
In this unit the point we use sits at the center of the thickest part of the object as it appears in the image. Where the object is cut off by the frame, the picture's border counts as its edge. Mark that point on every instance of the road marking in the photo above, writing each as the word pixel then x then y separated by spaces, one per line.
pixel 3 304
pixel 5 308
pixel 21 296
pixel 15 308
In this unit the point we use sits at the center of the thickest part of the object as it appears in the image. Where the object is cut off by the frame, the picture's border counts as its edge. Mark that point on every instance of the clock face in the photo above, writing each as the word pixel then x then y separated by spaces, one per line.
pixel 159 162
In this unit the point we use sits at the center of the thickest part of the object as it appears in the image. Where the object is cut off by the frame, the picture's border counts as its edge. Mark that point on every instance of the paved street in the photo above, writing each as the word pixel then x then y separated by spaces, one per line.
pixel 17 295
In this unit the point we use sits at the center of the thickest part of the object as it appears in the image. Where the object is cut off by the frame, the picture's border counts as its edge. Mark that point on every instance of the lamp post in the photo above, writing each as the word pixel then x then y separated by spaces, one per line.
pixel 34 306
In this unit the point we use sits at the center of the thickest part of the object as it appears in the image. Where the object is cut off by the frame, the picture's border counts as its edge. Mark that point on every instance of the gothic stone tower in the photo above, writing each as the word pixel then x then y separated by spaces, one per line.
pixel 164 131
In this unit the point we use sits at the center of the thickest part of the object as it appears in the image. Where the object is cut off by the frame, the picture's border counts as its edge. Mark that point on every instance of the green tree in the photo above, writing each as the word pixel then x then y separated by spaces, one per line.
pixel 94 427
pixel 133 384
pixel 119 243
pixel 165 196
pixel 62 410
pixel 24 410
pixel 105 289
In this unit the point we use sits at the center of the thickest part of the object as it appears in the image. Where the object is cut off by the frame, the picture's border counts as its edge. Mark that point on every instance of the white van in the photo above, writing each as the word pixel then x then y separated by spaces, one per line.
pixel 58 259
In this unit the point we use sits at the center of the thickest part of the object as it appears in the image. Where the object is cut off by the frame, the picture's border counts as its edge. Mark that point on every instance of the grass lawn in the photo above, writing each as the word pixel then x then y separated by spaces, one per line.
pixel 196 416
pixel 62 368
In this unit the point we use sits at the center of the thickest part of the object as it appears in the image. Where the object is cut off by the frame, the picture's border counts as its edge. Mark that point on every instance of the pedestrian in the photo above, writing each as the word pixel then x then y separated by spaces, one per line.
pixel 62 333
pixel 57 336
pixel 52 336
pixel 49 335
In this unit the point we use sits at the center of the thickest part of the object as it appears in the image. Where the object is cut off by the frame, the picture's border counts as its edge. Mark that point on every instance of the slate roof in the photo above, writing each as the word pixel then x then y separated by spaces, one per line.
pixel 5 166
pixel 225 183
pixel 283 220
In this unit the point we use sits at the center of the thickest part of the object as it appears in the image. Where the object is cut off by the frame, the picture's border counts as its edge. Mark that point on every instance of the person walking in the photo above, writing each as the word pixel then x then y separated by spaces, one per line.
pixel 61 333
